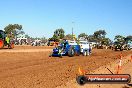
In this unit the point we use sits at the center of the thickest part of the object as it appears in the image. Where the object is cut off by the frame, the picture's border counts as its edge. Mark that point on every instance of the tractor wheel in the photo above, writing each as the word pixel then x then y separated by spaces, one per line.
pixel 71 52
pixel 77 53
pixel 1 43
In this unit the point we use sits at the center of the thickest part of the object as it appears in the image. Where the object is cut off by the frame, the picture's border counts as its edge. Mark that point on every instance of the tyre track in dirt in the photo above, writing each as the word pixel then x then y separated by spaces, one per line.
pixel 24 50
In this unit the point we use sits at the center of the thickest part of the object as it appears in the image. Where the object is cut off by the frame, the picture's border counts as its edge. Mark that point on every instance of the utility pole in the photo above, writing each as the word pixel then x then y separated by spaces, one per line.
pixel 72 33
pixel 72 30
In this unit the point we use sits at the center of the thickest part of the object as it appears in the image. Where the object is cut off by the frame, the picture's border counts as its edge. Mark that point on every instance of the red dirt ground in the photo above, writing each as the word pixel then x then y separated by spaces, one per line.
pixel 32 47
pixel 37 70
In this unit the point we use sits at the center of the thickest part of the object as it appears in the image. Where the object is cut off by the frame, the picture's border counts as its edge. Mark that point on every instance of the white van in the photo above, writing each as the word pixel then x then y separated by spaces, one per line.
pixel 85 46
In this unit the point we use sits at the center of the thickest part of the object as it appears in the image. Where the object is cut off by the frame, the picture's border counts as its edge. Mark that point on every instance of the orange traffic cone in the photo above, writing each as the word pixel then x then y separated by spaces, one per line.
pixel 131 58
pixel 81 72
pixel 119 68
pixel 121 56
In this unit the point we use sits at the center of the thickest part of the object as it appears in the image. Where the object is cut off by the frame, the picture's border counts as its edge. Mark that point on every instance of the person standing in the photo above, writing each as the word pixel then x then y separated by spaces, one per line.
pixel 8 41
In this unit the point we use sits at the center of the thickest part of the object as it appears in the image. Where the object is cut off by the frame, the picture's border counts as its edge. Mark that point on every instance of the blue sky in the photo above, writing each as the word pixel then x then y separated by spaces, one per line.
pixel 42 17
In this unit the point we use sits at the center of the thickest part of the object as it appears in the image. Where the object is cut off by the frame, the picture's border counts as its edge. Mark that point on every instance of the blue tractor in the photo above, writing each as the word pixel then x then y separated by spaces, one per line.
pixel 65 49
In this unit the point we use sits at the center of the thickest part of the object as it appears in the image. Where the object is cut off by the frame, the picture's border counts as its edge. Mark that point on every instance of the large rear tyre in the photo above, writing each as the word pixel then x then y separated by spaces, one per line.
pixel 77 53
pixel 71 52
pixel 1 43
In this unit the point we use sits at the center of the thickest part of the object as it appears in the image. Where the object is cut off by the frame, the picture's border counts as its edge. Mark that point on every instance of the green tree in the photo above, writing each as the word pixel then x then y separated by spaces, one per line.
pixel 43 39
pixel 12 29
pixel 129 37
pixel 106 41
pixel 99 35
pixel 68 37
pixel 119 38
pixel 59 33
pixel 83 35
pixel 27 36
pixel 54 38
pixel 91 38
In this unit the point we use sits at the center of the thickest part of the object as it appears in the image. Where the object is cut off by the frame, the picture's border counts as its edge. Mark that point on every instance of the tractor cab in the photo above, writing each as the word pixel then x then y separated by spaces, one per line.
pixel 2 34
pixel 61 47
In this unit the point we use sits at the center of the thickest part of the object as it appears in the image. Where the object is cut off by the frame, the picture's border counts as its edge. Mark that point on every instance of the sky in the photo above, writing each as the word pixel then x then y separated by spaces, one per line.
pixel 42 17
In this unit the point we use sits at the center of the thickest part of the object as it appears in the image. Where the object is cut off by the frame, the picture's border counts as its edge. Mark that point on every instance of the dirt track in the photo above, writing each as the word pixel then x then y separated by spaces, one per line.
pixel 37 70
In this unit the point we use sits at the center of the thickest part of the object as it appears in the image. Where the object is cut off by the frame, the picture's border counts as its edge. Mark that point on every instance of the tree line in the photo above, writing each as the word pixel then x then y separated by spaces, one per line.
pixel 15 29
pixel 98 36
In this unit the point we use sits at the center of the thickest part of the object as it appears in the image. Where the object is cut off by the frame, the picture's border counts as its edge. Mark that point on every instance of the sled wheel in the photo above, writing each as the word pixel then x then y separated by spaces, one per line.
pixel 77 53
